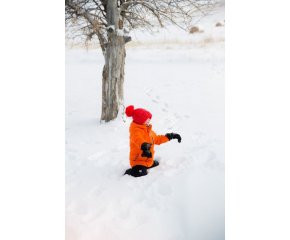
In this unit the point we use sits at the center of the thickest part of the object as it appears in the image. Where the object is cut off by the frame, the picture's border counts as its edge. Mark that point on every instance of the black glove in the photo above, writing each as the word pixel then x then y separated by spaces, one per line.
pixel 171 136
pixel 145 147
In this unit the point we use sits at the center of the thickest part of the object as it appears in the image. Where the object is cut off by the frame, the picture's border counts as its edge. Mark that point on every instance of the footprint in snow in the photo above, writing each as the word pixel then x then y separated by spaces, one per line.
pixel 171 121
pixel 165 107
pixel 148 92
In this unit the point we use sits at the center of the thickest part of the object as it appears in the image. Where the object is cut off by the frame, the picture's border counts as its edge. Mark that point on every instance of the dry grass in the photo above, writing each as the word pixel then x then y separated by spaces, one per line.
pixel 196 29
pixel 165 43
pixel 219 24
pixel 90 46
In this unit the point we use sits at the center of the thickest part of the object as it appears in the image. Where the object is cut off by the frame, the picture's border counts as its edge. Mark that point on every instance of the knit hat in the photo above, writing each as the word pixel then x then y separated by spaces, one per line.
pixel 139 115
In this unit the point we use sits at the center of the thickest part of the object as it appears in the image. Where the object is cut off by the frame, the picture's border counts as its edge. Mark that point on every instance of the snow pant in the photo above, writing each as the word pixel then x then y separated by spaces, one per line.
pixel 139 170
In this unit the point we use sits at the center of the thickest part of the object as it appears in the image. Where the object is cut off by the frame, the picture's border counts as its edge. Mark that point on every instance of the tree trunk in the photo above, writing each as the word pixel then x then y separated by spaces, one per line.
pixel 113 72
pixel 113 78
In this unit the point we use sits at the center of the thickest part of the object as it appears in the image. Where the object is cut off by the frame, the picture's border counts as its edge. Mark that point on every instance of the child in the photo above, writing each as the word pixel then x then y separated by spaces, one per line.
pixel 142 141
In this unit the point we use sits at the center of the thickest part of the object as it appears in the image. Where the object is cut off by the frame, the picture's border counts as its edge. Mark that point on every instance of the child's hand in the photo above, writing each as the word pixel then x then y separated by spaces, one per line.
pixel 146 150
pixel 171 136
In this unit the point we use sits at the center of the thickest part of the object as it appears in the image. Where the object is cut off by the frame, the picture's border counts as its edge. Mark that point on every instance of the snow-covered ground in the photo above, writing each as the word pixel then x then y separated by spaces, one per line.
pixel 182 85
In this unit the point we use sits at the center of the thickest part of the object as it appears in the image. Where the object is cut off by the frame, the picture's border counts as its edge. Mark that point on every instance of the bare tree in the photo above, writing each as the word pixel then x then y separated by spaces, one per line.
pixel 111 20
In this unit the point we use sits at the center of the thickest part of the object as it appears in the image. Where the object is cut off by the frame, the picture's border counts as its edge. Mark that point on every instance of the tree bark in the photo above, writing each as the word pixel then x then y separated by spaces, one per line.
pixel 113 71
pixel 113 78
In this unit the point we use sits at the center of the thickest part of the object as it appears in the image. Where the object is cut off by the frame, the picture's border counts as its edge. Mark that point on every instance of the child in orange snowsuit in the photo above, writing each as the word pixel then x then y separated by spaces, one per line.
pixel 142 141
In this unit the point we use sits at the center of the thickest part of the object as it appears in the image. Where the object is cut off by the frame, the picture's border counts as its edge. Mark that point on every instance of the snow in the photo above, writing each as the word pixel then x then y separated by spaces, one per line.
pixel 111 27
pixel 182 84
pixel 173 34
pixel 121 32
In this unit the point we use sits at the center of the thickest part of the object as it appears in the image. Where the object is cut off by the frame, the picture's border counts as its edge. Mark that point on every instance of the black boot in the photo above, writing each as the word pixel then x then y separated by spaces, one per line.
pixel 155 164
pixel 128 171
pixel 137 171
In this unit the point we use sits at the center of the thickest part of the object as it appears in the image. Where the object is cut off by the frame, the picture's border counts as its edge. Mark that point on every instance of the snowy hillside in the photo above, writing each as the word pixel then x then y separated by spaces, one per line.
pixel 181 83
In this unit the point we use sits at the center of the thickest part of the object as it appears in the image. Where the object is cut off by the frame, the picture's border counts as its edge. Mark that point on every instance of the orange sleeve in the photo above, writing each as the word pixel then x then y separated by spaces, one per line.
pixel 159 139
pixel 136 138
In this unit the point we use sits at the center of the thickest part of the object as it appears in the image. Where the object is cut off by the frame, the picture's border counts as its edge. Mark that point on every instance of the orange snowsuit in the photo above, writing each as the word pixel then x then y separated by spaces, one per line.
pixel 138 135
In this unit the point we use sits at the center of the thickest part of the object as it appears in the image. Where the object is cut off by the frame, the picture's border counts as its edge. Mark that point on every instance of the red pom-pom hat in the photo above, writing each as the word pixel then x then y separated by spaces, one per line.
pixel 139 115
